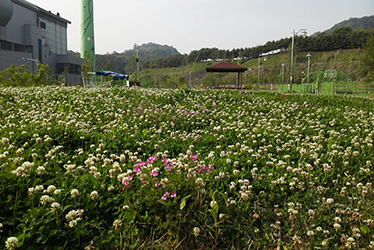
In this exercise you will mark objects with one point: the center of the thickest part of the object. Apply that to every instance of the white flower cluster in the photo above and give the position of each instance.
(22, 170)
(11, 243)
(74, 216)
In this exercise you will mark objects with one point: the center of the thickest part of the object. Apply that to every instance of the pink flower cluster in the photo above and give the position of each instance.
(168, 195)
(167, 164)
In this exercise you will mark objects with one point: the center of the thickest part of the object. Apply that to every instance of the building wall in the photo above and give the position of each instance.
(16, 59)
(35, 34)
(14, 30)
(55, 37)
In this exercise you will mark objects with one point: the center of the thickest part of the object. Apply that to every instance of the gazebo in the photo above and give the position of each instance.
(226, 67)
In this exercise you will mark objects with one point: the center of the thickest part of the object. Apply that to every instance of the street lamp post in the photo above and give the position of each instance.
(36, 61)
(282, 75)
(258, 82)
(292, 45)
(307, 82)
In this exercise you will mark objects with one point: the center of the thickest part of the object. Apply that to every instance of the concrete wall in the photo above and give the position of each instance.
(33, 33)
(14, 30)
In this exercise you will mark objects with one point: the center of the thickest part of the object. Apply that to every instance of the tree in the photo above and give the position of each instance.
(43, 75)
(369, 58)
(86, 67)
(20, 76)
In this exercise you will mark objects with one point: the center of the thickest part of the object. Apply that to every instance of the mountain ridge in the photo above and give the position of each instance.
(366, 22)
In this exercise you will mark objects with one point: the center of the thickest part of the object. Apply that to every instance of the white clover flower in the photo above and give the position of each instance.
(80, 212)
(97, 175)
(111, 188)
(350, 243)
(311, 212)
(325, 242)
(72, 223)
(214, 205)
(40, 170)
(297, 239)
(117, 224)
(5, 141)
(46, 199)
(31, 191)
(369, 222)
(94, 195)
(74, 193)
(329, 202)
(199, 182)
(27, 166)
(371, 245)
(337, 220)
(51, 189)
(39, 187)
(236, 172)
(71, 215)
(57, 191)
(126, 207)
(196, 231)
(337, 226)
(11, 243)
(55, 206)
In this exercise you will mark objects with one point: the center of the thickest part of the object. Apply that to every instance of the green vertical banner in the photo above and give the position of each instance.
(87, 31)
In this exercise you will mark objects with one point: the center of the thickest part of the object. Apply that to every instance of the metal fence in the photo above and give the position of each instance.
(331, 88)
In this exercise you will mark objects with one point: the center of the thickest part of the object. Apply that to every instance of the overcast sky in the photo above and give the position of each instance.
(194, 24)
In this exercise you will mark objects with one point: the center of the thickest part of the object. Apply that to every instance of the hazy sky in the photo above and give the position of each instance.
(194, 24)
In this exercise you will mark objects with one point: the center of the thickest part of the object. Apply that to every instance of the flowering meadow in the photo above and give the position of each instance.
(119, 168)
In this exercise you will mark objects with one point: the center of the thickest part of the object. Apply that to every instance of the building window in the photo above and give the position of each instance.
(71, 68)
(19, 47)
(5, 45)
(43, 25)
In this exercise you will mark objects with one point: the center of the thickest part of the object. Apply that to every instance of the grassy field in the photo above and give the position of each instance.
(194, 75)
(119, 168)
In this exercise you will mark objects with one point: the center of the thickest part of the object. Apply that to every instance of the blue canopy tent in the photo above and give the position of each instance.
(112, 74)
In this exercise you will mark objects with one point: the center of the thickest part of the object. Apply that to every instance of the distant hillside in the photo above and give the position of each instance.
(366, 23)
(194, 75)
(125, 62)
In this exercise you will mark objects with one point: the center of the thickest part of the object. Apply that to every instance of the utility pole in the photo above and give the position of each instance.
(282, 75)
(307, 83)
(292, 45)
(258, 82)
(137, 61)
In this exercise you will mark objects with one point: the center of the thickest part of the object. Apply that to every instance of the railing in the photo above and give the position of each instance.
(331, 88)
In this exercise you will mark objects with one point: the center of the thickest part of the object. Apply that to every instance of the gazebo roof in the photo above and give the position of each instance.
(226, 67)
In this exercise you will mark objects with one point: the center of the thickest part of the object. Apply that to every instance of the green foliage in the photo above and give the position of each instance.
(20, 76)
(369, 58)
